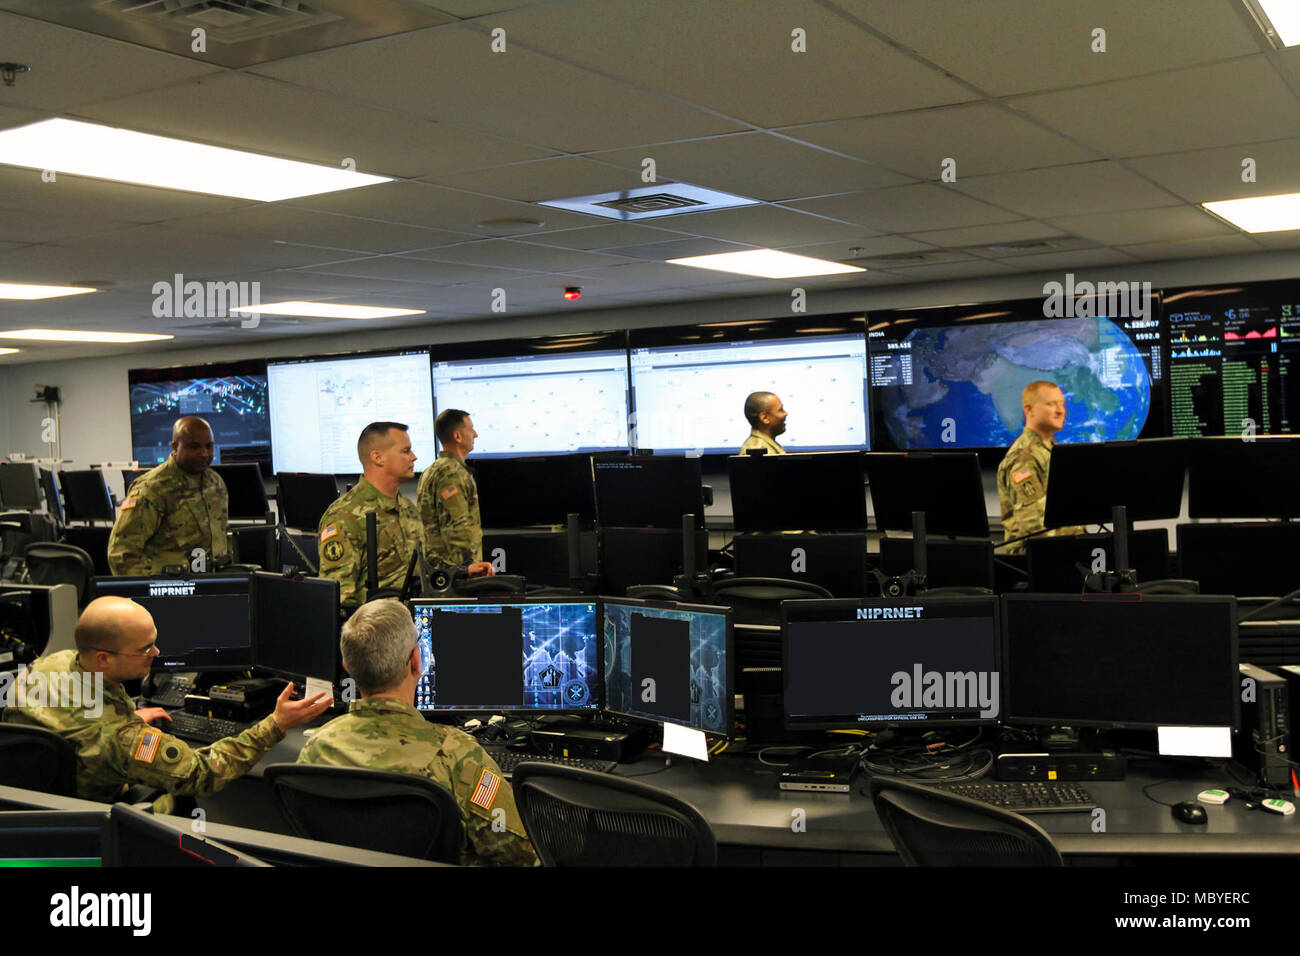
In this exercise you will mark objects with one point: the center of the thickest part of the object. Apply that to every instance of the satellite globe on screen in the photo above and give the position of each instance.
(966, 382)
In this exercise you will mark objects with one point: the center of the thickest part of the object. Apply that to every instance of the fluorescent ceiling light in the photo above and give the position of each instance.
(106, 152)
(8, 351)
(1279, 19)
(1260, 213)
(68, 335)
(20, 290)
(766, 264)
(326, 310)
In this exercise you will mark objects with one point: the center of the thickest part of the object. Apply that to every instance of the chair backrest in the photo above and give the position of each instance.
(932, 828)
(580, 817)
(658, 592)
(758, 600)
(36, 758)
(389, 812)
(496, 585)
(52, 562)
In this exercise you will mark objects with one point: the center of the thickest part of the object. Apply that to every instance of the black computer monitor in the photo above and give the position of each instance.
(838, 562)
(1231, 478)
(303, 498)
(246, 490)
(1053, 560)
(539, 490)
(204, 623)
(947, 487)
(517, 656)
(924, 661)
(631, 556)
(1124, 661)
(670, 663)
(20, 488)
(297, 626)
(649, 492)
(1241, 558)
(1088, 480)
(129, 475)
(51, 490)
(132, 837)
(814, 492)
(86, 495)
(50, 838)
(955, 562)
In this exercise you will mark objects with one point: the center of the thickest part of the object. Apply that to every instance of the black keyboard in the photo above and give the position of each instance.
(1026, 796)
(204, 729)
(507, 760)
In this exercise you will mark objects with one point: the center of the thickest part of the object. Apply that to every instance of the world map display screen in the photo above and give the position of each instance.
(959, 386)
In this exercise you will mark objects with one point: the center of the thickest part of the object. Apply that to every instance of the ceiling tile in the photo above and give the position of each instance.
(1066, 190)
(277, 223)
(764, 226)
(858, 248)
(604, 237)
(1003, 232)
(907, 209)
(1145, 225)
(1075, 259)
(546, 179)
(1192, 248)
(1204, 175)
(507, 254)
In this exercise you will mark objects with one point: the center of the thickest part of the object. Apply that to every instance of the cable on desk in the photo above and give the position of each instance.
(1159, 783)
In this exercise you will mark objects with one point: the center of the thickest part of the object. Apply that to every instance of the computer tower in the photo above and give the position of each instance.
(1264, 742)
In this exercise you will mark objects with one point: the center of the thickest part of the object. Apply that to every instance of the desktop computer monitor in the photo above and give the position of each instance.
(821, 492)
(132, 837)
(204, 623)
(86, 494)
(20, 489)
(669, 663)
(541, 490)
(246, 491)
(509, 656)
(1124, 661)
(297, 627)
(51, 490)
(649, 492)
(303, 498)
(923, 661)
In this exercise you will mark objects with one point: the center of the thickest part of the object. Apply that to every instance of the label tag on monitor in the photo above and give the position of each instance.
(685, 741)
(1194, 741)
(317, 686)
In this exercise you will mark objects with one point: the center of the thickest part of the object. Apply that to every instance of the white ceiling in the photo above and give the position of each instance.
(1093, 159)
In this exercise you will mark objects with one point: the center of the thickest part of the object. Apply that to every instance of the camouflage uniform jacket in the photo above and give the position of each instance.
(1022, 488)
(342, 542)
(379, 733)
(758, 439)
(117, 748)
(448, 500)
(167, 513)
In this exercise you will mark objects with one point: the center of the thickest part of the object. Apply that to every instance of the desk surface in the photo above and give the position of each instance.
(741, 800)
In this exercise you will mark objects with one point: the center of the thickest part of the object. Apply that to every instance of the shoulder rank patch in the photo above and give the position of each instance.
(448, 492)
(486, 791)
(333, 551)
(147, 749)
(1021, 475)
(129, 503)
(330, 531)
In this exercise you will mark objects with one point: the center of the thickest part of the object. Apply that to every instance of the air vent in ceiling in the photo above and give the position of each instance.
(226, 21)
(651, 202)
(923, 258)
(1015, 248)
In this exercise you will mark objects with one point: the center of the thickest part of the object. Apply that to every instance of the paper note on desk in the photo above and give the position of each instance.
(685, 741)
(317, 686)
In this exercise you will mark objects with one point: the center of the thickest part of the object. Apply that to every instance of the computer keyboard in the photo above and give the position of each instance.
(507, 760)
(1026, 796)
(203, 729)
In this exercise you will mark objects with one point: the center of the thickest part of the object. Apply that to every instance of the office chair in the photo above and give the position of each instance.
(389, 812)
(1169, 586)
(496, 585)
(659, 592)
(758, 600)
(583, 818)
(932, 828)
(52, 562)
(35, 758)
(958, 590)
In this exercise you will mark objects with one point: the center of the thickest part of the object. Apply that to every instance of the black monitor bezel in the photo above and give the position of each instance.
(253, 471)
(852, 722)
(260, 578)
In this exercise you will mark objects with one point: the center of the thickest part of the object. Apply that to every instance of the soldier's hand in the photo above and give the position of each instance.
(481, 569)
(294, 713)
(150, 714)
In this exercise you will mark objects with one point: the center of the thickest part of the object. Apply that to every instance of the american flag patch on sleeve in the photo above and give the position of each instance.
(147, 749)
(1021, 475)
(486, 791)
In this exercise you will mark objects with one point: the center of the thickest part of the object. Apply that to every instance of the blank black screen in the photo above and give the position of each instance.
(661, 652)
(478, 658)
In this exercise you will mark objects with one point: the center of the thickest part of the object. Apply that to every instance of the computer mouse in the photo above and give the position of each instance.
(1189, 812)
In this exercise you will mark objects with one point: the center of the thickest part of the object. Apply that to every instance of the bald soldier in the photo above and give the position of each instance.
(384, 731)
(1022, 475)
(766, 416)
(116, 746)
(386, 461)
(447, 497)
(172, 509)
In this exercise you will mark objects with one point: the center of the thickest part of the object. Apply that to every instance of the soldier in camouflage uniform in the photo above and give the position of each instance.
(115, 744)
(766, 416)
(172, 509)
(1022, 475)
(448, 498)
(387, 460)
(384, 731)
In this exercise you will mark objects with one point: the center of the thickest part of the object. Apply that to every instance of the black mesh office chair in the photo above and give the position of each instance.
(52, 562)
(933, 828)
(496, 585)
(758, 600)
(582, 818)
(388, 812)
(659, 592)
(34, 758)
